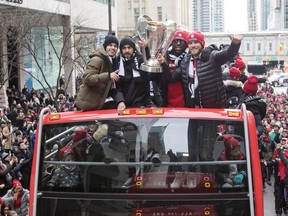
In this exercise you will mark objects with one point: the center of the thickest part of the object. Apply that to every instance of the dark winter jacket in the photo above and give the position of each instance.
(173, 63)
(257, 106)
(66, 177)
(233, 88)
(5, 177)
(285, 162)
(96, 81)
(133, 87)
(210, 84)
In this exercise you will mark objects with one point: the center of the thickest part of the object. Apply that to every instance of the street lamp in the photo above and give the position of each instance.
(109, 17)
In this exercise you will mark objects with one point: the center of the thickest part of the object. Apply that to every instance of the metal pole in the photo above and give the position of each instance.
(109, 17)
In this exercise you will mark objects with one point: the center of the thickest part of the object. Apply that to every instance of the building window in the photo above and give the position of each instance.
(270, 46)
(159, 13)
(129, 5)
(46, 60)
(259, 46)
(136, 14)
(248, 47)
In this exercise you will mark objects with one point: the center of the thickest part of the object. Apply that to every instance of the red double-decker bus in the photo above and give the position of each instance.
(150, 162)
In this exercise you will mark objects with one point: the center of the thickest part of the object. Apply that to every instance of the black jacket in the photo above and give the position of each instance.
(133, 87)
(208, 66)
(233, 90)
(257, 106)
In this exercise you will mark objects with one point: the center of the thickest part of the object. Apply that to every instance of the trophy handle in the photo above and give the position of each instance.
(168, 42)
(141, 26)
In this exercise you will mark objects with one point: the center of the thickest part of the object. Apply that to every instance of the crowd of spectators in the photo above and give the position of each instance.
(18, 123)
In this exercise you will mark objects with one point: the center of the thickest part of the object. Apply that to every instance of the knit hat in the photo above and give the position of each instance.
(65, 151)
(239, 64)
(16, 183)
(197, 36)
(234, 73)
(181, 35)
(230, 142)
(251, 85)
(110, 39)
(80, 135)
(101, 132)
(127, 41)
(4, 155)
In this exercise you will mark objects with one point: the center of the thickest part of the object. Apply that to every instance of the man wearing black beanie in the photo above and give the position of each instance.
(127, 41)
(100, 74)
(133, 87)
(110, 39)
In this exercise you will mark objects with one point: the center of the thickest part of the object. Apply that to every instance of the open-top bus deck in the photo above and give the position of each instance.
(145, 162)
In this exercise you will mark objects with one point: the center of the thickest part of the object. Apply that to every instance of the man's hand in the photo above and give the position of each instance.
(142, 43)
(15, 196)
(160, 59)
(121, 107)
(114, 75)
(236, 39)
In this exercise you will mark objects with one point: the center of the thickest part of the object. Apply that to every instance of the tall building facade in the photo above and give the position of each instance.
(278, 17)
(264, 14)
(252, 15)
(208, 15)
(128, 12)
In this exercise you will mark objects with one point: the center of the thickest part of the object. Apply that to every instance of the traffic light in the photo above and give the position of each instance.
(281, 47)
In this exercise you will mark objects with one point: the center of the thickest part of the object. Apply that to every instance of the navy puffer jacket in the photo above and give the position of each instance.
(208, 67)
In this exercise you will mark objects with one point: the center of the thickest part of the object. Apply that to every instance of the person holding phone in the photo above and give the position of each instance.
(18, 198)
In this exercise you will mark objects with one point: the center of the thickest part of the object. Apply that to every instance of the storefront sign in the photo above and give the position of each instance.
(14, 1)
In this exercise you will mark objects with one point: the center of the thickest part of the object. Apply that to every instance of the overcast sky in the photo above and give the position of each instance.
(235, 15)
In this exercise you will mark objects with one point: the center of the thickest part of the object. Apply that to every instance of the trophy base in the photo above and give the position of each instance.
(151, 69)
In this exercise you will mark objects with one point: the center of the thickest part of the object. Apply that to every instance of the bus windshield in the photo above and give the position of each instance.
(143, 166)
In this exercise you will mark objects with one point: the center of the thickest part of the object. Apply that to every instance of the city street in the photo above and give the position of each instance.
(269, 201)
(280, 89)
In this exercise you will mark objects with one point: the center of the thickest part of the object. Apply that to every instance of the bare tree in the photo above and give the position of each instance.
(43, 46)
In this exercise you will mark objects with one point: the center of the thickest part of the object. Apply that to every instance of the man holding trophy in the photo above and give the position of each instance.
(199, 72)
(136, 69)
(132, 88)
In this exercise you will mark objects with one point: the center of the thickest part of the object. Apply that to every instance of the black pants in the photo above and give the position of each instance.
(279, 196)
(201, 139)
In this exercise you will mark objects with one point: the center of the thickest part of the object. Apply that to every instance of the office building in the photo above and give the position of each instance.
(265, 6)
(128, 12)
(252, 15)
(278, 17)
(208, 15)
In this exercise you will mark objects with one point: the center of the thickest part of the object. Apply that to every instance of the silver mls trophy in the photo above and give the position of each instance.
(159, 36)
